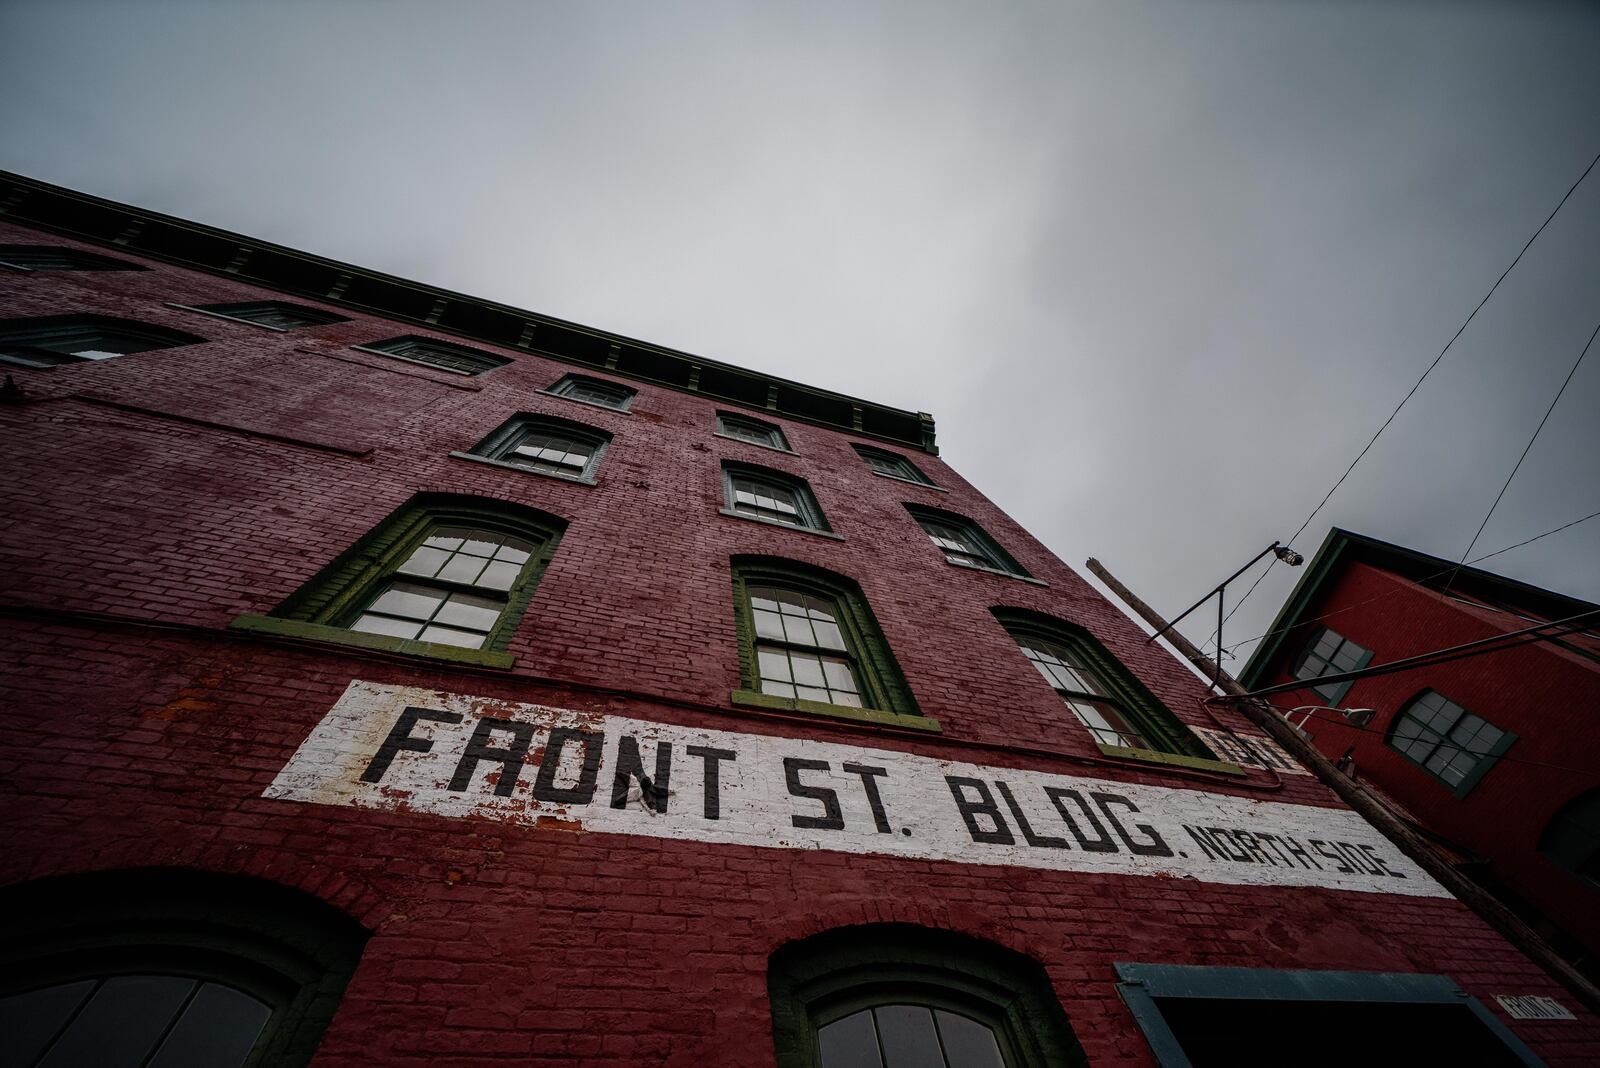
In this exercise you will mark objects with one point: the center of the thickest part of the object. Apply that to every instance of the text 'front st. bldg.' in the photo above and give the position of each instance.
(399, 678)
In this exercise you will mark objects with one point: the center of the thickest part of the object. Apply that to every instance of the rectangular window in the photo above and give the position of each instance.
(1330, 653)
(594, 391)
(891, 465)
(771, 497)
(800, 650)
(457, 359)
(462, 579)
(550, 446)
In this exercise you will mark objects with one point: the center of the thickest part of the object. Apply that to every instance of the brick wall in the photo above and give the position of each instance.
(159, 495)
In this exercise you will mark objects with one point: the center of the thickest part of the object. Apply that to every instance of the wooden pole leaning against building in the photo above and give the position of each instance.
(1354, 794)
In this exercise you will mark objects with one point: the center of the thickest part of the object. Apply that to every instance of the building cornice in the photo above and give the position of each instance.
(290, 271)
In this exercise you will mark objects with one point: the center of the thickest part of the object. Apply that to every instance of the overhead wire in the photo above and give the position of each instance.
(1417, 385)
(1425, 578)
(1525, 450)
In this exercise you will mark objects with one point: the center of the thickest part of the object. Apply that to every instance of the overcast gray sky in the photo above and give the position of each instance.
(1158, 269)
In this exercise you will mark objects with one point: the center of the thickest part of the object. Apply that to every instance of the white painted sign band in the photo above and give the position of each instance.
(394, 747)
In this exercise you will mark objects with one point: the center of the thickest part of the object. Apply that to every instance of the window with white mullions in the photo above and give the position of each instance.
(457, 359)
(958, 546)
(594, 391)
(1084, 692)
(887, 1036)
(891, 465)
(772, 497)
(452, 589)
(1451, 744)
(800, 650)
(552, 453)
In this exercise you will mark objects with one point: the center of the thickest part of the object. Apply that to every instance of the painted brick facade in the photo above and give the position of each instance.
(155, 498)
(1547, 694)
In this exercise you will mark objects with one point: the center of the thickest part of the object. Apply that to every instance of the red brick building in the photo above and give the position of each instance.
(399, 678)
(1494, 755)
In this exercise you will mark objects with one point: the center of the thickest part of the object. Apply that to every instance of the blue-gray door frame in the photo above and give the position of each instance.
(1142, 983)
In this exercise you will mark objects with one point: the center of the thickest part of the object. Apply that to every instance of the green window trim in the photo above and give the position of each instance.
(1332, 692)
(888, 464)
(439, 355)
(1166, 734)
(1143, 986)
(1486, 759)
(755, 432)
(595, 392)
(333, 598)
(963, 543)
(1176, 760)
(876, 716)
(508, 435)
(883, 688)
(828, 976)
(807, 511)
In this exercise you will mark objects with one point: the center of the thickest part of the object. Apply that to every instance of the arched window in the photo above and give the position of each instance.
(891, 465)
(596, 391)
(444, 575)
(1572, 837)
(886, 995)
(1102, 694)
(168, 969)
(63, 339)
(457, 359)
(808, 641)
(754, 431)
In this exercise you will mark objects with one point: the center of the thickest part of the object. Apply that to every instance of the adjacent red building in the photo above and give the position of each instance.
(1495, 755)
(395, 677)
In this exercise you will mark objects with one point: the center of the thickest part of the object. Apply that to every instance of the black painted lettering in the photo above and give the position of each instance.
(1273, 844)
(1248, 840)
(1329, 854)
(509, 758)
(999, 834)
(400, 739)
(713, 759)
(1299, 852)
(1372, 854)
(1207, 844)
(1154, 846)
(869, 784)
(1041, 841)
(582, 791)
(1101, 843)
(1356, 860)
(1231, 846)
(630, 768)
(832, 818)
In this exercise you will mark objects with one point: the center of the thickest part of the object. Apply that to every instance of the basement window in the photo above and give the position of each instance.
(1197, 1017)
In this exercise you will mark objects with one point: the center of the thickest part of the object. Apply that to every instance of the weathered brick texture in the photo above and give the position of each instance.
(153, 498)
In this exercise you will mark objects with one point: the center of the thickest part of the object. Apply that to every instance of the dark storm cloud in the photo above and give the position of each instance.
(1158, 269)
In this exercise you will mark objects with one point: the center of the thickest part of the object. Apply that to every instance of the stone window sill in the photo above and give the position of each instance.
(1176, 760)
(996, 571)
(781, 526)
(319, 632)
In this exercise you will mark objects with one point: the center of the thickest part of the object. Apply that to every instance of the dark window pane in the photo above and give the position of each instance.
(28, 1022)
(967, 1043)
(216, 1030)
(850, 1042)
(121, 1023)
(907, 1036)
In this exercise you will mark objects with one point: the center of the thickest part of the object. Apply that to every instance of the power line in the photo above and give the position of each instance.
(1424, 578)
(1367, 448)
(1515, 468)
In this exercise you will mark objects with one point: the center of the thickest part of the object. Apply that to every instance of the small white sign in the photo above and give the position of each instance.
(1250, 750)
(1533, 1007)
(403, 748)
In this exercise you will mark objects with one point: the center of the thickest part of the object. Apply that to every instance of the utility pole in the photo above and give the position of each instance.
(1418, 848)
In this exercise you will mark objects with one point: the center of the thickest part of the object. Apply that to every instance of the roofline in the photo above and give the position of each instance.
(287, 270)
(1340, 545)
